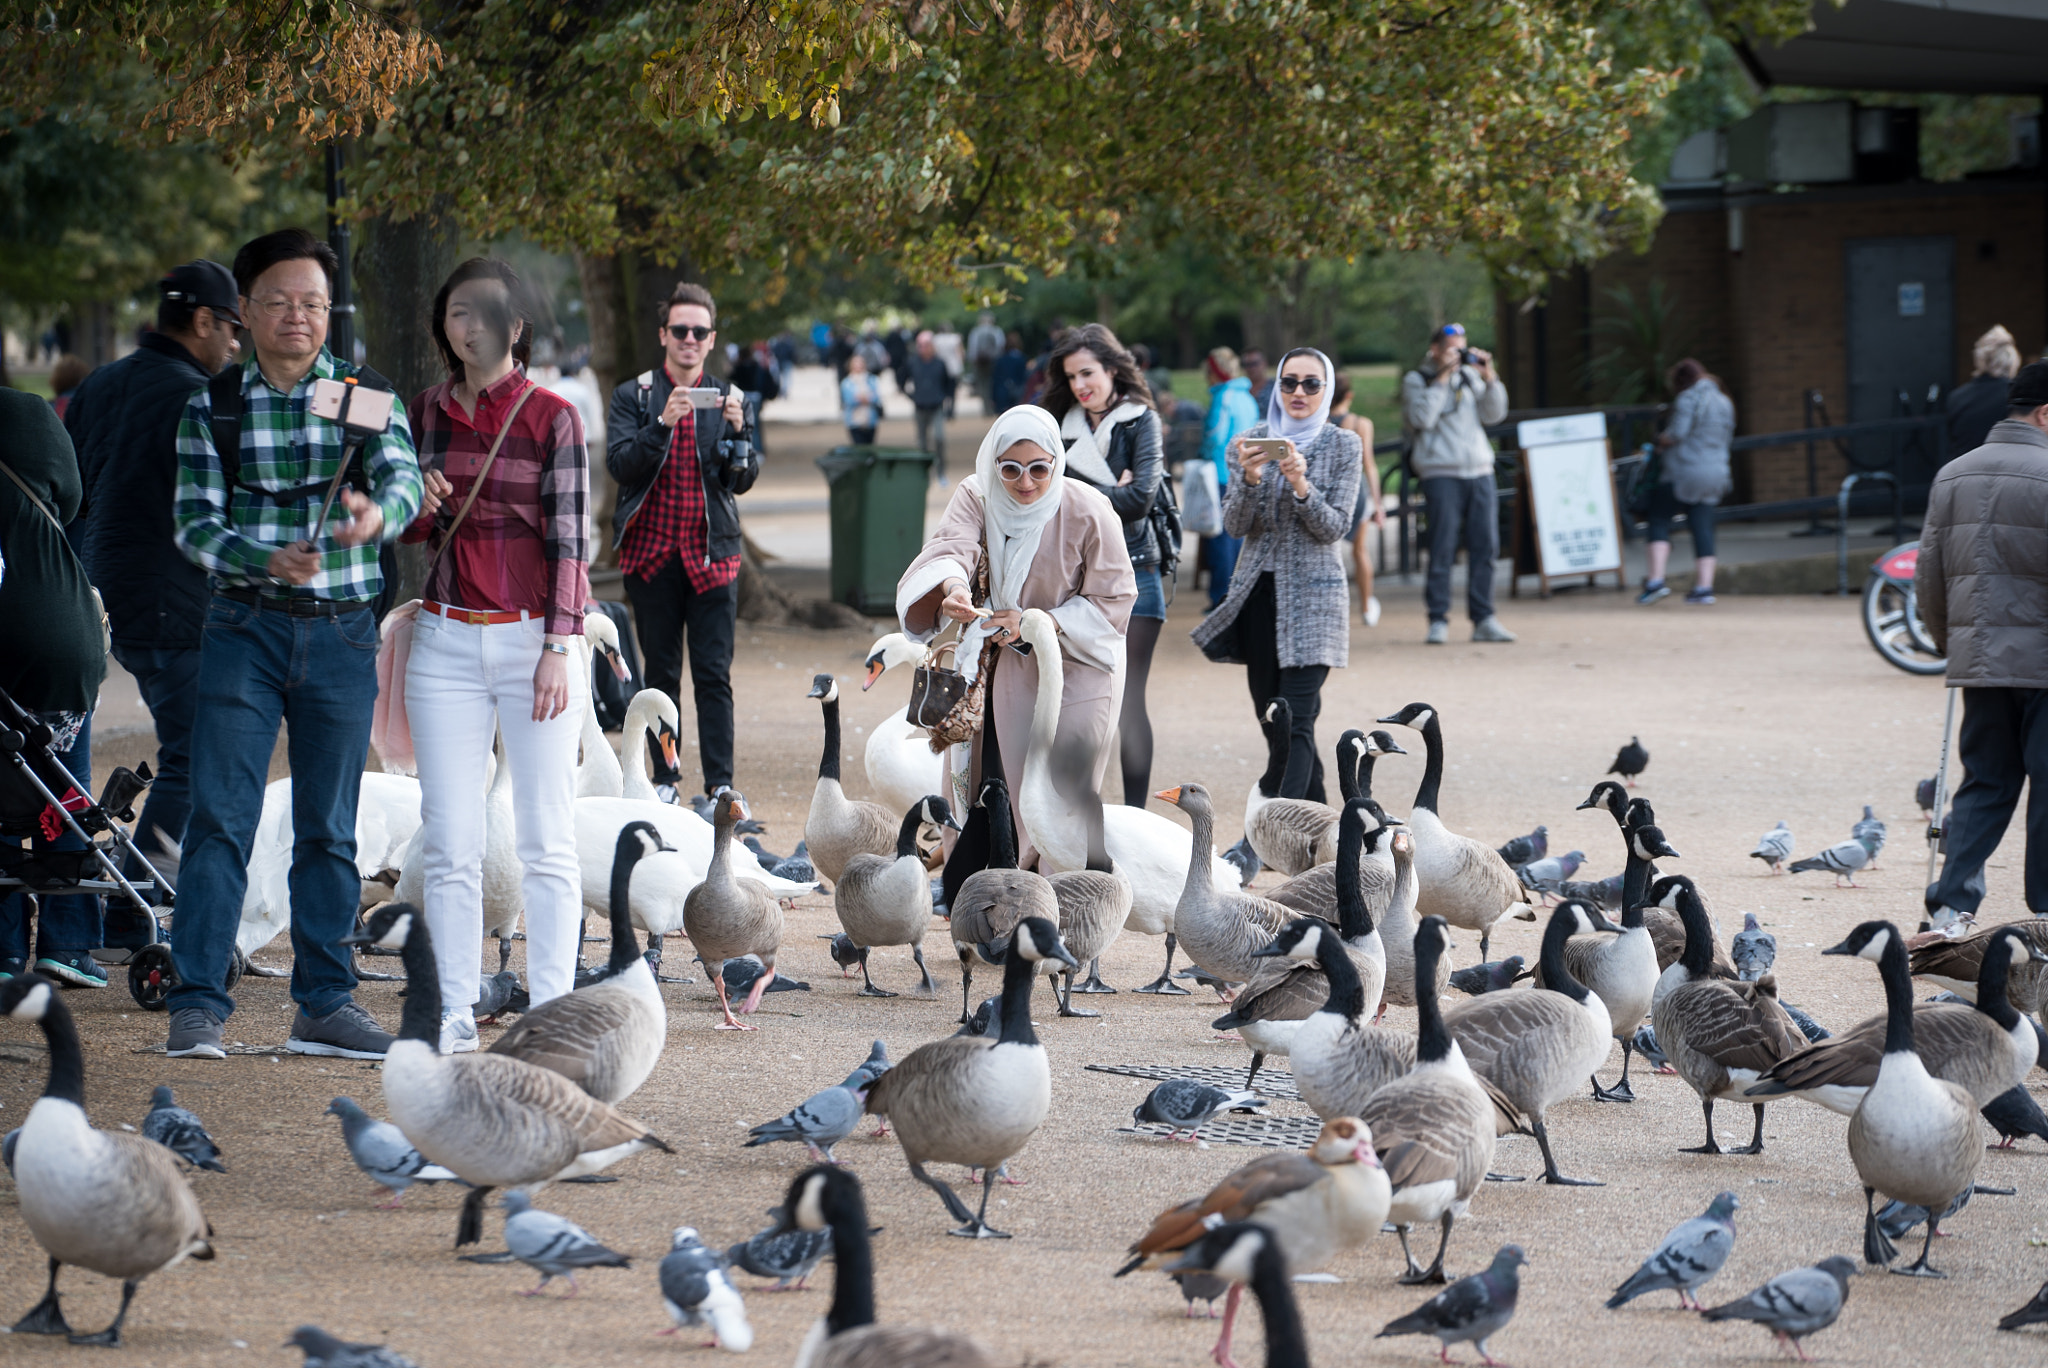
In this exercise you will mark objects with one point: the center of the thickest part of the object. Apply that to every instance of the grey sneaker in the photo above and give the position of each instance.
(1490, 629)
(1439, 634)
(458, 1032)
(347, 1032)
(195, 1034)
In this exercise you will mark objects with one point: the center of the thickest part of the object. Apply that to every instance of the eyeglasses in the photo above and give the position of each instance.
(1013, 471)
(1307, 384)
(278, 307)
(690, 332)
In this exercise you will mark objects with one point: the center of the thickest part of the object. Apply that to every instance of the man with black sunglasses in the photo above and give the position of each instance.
(1447, 403)
(680, 444)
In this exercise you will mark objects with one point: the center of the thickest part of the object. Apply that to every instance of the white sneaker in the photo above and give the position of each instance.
(1439, 634)
(1370, 614)
(458, 1032)
(1491, 629)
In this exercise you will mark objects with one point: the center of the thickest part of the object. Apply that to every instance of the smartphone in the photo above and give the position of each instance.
(1266, 448)
(369, 410)
(706, 398)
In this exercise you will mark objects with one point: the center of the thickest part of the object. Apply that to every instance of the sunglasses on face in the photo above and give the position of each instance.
(1013, 471)
(689, 332)
(1307, 384)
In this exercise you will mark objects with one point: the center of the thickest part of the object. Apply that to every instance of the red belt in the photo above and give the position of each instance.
(471, 616)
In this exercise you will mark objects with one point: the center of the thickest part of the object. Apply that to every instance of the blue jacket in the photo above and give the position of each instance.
(1231, 411)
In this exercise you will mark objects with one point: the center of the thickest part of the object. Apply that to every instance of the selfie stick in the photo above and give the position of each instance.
(348, 450)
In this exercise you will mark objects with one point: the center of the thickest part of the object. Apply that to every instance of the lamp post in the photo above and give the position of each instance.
(341, 328)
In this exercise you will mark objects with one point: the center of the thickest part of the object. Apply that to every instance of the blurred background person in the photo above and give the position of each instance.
(1371, 512)
(1693, 479)
(1979, 402)
(984, 344)
(860, 402)
(1232, 411)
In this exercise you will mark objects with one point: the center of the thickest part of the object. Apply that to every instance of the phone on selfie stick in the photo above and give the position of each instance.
(363, 412)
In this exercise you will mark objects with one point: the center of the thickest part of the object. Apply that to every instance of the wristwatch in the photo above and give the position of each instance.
(558, 647)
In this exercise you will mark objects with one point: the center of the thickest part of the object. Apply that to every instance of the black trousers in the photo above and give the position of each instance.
(1258, 640)
(671, 619)
(2003, 743)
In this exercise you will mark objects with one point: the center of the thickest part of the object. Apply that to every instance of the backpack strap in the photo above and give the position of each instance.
(225, 391)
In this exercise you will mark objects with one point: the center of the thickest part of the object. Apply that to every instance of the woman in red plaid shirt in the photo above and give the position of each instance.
(492, 648)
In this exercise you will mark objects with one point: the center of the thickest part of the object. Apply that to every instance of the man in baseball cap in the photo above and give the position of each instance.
(124, 422)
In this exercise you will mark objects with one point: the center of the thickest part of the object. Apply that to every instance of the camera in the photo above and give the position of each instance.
(1467, 357)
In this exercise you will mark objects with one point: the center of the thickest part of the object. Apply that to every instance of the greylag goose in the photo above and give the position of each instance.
(725, 918)
(1221, 929)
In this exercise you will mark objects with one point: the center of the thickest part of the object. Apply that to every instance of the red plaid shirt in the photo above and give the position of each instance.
(672, 521)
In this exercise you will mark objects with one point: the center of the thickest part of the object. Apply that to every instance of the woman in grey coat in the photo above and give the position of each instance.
(1695, 478)
(1293, 485)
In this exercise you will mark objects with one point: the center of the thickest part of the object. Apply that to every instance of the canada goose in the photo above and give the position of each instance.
(846, 1336)
(1377, 743)
(1462, 881)
(1957, 964)
(993, 900)
(664, 879)
(1290, 835)
(888, 900)
(1315, 1205)
(1434, 1127)
(1913, 1136)
(1339, 1060)
(605, 1038)
(1094, 903)
(901, 765)
(1221, 929)
(1622, 970)
(1397, 931)
(1985, 1048)
(1150, 851)
(1246, 1254)
(1721, 1035)
(972, 1100)
(1314, 891)
(1282, 993)
(113, 1203)
(839, 828)
(1535, 1045)
(726, 919)
(493, 1120)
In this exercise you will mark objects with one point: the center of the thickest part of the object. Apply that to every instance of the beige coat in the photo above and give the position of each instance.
(1082, 578)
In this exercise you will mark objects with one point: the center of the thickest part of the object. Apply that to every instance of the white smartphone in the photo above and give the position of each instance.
(368, 411)
(706, 398)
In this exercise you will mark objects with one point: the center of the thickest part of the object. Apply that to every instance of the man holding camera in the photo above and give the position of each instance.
(1447, 403)
(284, 508)
(680, 444)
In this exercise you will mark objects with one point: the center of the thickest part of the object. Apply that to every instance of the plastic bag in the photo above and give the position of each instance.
(1201, 499)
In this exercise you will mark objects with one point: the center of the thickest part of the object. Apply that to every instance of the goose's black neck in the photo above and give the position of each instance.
(1898, 994)
(1347, 990)
(1354, 918)
(853, 1281)
(906, 835)
(1635, 883)
(67, 1059)
(625, 855)
(1698, 957)
(1098, 843)
(1277, 729)
(1347, 772)
(1426, 794)
(828, 764)
(1993, 975)
(1361, 774)
(1557, 977)
(1018, 975)
(1432, 1037)
(1002, 827)
(1286, 1341)
(421, 1019)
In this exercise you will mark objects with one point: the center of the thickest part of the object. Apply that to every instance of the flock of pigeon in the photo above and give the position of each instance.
(1409, 1118)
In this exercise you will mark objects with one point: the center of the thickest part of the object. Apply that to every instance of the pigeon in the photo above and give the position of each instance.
(986, 1021)
(877, 1062)
(1895, 1218)
(180, 1132)
(696, 1291)
(1630, 761)
(942, 906)
(1753, 951)
(1923, 794)
(502, 992)
(1604, 894)
(1774, 847)
(1522, 849)
(1489, 977)
(1690, 1253)
(1796, 1303)
(325, 1351)
(1543, 876)
(7, 1145)
(1200, 1287)
(2014, 1115)
(1197, 974)
(821, 1120)
(1183, 1104)
(552, 1246)
(1814, 1032)
(1870, 831)
(1846, 858)
(786, 1255)
(1471, 1310)
(768, 858)
(1246, 861)
(2033, 1313)
(381, 1150)
(845, 953)
(1646, 1046)
(739, 974)
(797, 867)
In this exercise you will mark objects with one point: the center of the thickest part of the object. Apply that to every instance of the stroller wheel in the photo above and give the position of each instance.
(151, 977)
(237, 966)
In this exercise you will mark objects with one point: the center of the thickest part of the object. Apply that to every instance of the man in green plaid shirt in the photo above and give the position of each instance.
(289, 638)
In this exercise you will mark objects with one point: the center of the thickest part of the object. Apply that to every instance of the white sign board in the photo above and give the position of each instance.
(1571, 494)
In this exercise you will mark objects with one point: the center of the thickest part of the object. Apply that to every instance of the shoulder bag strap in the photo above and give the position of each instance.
(32, 498)
(449, 537)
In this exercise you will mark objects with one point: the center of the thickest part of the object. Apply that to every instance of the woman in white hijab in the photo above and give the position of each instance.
(1051, 543)
(1293, 485)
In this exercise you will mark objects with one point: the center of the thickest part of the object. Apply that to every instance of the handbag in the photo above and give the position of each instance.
(942, 700)
(1642, 490)
(99, 605)
(1201, 498)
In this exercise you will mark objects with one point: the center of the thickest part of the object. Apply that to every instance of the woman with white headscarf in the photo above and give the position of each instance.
(1051, 543)
(1293, 485)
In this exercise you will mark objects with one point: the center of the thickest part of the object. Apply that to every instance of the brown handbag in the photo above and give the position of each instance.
(941, 699)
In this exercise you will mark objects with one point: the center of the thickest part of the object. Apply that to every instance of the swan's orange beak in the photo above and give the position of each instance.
(876, 667)
(668, 749)
(1171, 795)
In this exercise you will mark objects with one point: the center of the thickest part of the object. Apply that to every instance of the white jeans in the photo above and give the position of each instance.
(463, 684)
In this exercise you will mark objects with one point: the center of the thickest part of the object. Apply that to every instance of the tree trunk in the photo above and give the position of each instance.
(399, 267)
(99, 343)
(610, 350)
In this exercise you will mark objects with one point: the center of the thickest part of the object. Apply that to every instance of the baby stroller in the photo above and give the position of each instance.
(39, 798)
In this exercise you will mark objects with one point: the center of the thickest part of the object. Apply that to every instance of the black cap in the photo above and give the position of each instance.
(203, 283)
(2029, 387)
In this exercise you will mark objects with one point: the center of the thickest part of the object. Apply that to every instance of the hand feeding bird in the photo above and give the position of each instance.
(552, 1246)
(1630, 761)
(1182, 1104)
(1754, 950)
(1774, 847)
(1690, 1254)
(1841, 860)
(1521, 850)
(1471, 1310)
(696, 1291)
(180, 1132)
(1794, 1304)
(381, 1150)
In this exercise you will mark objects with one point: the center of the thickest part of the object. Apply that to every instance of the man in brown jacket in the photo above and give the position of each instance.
(1982, 584)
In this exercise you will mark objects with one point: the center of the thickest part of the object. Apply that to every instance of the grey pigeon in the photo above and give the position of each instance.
(1630, 761)
(768, 858)
(1245, 860)
(1846, 858)
(739, 975)
(1196, 974)
(877, 1062)
(798, 867)
(1543, 876)
(1774, 847)
(845, 953)
(552, 1246)
(2033, 1313)
(323, 1350)
(1200, 1287)
(1870, 831)
(696, 1291)
(7, 1145)
(986, 1021)
(1646, 1046)
(381, 1150)
(1471, 1310)
(1895, 1218)
(180, 1132)
(1604, 894)
(1519, 850)
(1489, 977)
(786, 1255)
(1794, 1304)
(1814, 1032)
(1182, 1104)
(1753, 951)
(1923, 794)
(502, 992)
(821, 1120)
(1690, 1253)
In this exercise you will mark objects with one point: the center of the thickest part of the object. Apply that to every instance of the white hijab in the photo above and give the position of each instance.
(1300, 431)
(1014, 529)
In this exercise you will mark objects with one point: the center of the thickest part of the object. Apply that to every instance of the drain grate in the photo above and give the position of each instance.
(1233, 1128)
(1275, 1084)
